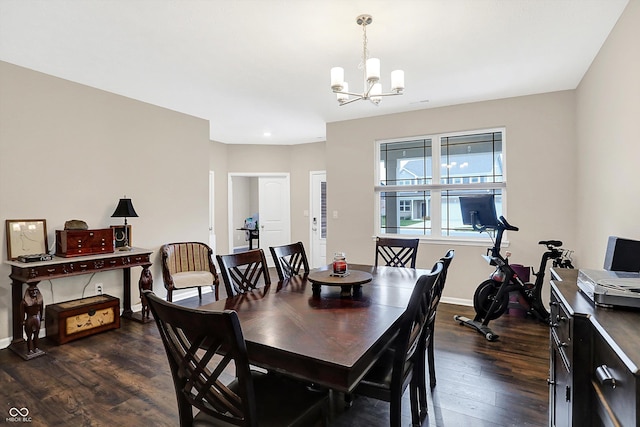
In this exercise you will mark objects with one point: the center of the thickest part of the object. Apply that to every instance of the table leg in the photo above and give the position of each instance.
(345, 291)
(126, 297)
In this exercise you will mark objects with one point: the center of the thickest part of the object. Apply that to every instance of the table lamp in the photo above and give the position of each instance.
(124, 210)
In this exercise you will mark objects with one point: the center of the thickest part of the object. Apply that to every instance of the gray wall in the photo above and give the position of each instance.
(607, 185)
(540, 146)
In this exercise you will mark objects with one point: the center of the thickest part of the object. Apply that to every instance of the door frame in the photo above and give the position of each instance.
(312, 174)
(230, 177)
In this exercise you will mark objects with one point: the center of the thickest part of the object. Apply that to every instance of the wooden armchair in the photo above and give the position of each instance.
(188, 265)
(213, 381)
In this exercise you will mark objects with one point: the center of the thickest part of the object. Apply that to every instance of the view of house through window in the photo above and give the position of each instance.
(420, 181)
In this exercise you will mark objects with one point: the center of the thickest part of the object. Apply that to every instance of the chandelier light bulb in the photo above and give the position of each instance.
(337, 78)
(373, 70)
(375, 94)
(397, 81)
(342, 96)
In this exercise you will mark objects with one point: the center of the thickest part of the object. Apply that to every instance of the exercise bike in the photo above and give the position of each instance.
(491, 298)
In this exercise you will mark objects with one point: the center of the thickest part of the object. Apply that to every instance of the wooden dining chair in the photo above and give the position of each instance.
(289, 260)
(210, 367)
(429, 332)
(398, 367)
(396, 252)
(242, 272)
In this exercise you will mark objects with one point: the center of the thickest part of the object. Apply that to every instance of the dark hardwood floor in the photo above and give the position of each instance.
(121, 378)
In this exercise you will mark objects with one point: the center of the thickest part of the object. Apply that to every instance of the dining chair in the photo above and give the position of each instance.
(429, 332)
(188, 265)
(209, 364)
(398, 367)
(289, 259)
(396, 252)
(242, 271)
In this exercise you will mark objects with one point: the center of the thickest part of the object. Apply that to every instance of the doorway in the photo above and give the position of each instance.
(318, 218)
(212, 222)
(262, 198)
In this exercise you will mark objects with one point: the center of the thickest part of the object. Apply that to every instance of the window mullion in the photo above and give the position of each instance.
(435, 194)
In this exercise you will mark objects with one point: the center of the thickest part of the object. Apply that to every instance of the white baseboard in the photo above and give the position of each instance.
(457, 301)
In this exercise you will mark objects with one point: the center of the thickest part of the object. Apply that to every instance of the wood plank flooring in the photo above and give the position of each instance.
(122, 378)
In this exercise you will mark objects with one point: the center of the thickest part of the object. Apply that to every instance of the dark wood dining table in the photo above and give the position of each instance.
(324, 338)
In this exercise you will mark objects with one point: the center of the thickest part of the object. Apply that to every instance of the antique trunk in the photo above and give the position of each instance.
(84, 242)
(70, 320)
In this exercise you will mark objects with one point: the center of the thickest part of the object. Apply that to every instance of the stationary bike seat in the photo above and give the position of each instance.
(508, 226)
(556, 243)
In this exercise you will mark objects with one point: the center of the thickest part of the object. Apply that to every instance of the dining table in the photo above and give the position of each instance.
(314, 331)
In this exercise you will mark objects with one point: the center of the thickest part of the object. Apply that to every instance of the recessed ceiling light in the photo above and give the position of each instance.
(266, 134)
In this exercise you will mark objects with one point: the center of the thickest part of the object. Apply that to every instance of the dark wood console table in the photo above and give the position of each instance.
(595, 359)
(34, 272)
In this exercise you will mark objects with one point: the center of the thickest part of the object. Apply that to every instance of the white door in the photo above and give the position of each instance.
(318, 219)
(274, 212)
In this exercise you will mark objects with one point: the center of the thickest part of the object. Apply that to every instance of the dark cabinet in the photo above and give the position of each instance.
(594, 359)
(560, 370)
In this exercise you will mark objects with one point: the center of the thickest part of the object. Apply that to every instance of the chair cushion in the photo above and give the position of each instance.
(271, 390)
(189, 279)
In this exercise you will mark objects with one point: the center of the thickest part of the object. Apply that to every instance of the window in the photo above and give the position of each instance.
(421, 180)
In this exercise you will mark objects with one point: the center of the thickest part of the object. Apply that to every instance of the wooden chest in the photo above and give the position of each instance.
(84, 242)
(70, 320)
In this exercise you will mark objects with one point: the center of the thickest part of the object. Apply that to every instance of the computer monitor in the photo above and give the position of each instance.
(482, 209)
(622, 255)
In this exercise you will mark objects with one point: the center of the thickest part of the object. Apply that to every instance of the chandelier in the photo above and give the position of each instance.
(371, 75)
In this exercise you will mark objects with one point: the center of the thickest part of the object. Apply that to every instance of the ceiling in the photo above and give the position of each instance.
(256, 66)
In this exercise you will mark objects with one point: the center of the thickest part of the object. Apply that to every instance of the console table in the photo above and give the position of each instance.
(595, 359)
(33, 272)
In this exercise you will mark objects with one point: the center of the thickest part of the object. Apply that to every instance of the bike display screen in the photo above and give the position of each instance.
(483, 208)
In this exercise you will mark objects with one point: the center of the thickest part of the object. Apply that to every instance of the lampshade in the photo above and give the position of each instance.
(124, 209)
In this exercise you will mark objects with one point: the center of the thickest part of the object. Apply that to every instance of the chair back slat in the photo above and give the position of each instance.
(242, 272)
(290, 260)
(397, 252)
(192, 339)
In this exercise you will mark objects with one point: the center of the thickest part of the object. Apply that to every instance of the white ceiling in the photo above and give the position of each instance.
(252, 66)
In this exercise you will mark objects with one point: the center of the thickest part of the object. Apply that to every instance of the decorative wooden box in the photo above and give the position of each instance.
(84, 242)
(70, 320)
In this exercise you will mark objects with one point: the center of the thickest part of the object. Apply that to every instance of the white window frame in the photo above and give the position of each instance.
(436, 189)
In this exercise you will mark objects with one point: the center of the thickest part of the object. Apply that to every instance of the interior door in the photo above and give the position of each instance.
(274, 212)
(318, 219)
